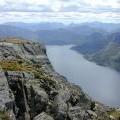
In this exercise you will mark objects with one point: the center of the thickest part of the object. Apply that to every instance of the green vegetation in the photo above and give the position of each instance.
(15, 65)
(19, 65)
(4, 116)
(14, 40)
(114, 113)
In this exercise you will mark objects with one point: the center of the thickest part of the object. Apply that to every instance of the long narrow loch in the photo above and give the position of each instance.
(101, 83)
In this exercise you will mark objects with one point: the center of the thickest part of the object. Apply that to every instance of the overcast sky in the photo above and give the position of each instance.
(59, 10)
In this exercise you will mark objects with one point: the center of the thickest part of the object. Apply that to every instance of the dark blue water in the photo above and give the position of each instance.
(101, 83)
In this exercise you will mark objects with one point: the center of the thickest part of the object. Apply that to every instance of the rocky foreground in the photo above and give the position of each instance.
(30, 89)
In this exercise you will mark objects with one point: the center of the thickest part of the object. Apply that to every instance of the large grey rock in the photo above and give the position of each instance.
(91, 113)
(7, 103)
(43, 116)
(61, 103)
(41, 100)
(76, 113)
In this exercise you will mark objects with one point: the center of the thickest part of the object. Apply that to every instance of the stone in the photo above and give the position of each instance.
(6, 99)
(76, 113)
(61, 103)
(41, 100)
(91, 113)
(111, 117)
(43, 116)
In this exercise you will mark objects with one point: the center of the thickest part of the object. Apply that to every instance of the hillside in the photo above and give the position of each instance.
(51, 33)
(37, 26)
(13, 31)
(110, 55)
(104, 53)
(30, 89)
(97, 41)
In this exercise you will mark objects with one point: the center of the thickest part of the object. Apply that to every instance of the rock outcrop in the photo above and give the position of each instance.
(30, 89)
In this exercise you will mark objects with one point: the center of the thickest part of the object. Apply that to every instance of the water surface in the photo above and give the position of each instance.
(101, 83)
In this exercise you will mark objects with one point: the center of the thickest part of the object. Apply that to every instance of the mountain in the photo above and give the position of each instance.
(105, 52)
(12, 31)
(109, 27)
(59, 36)
(89, 38)
(66, 35)
(93, 43)
(110, 55)
(30, 89)
(37, 26)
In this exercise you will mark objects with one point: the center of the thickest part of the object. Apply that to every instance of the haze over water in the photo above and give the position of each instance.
(101, 83)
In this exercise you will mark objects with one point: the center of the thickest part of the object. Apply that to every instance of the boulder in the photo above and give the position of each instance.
(43, 116)
(76, 113)
(61, 102)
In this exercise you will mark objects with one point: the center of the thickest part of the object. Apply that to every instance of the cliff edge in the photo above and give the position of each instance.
(30, 89)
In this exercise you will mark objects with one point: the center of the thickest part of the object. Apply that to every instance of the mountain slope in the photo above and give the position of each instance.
(32, 90)
(12, 31)
(50, 33)
(36, 26)
(105, 52)
(110, 55)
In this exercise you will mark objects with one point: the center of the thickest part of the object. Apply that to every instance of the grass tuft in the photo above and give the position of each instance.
(19, 65)
(114, 113)
(14, 40)
(4, 116)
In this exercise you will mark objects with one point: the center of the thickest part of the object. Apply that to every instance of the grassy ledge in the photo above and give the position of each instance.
(14, 40)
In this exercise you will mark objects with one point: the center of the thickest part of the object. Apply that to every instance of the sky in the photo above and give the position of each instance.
(65, 11)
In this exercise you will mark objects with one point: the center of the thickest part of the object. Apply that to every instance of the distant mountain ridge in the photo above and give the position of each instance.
(97, 41)
(110, 27)
(37, 26)
(13, 31)
(49, 33)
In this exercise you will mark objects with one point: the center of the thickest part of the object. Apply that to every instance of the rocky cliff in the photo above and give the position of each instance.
(30, 89)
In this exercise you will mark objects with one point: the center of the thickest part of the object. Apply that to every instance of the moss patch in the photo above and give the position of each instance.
(19, 65)
(114, 113)
(14, 40)
(4, 116)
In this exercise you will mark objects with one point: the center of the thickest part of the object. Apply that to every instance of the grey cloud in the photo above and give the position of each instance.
(106, 9)
(75, 8)
(78, 2)
(9, 6)
(118, 1)
(59, 17)
(66, 0)
(89, 9)
(70, 8)
(67, 6)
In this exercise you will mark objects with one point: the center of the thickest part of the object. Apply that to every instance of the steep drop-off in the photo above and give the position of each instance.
(30, 89)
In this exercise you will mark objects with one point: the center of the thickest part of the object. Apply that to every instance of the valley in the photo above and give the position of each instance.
(99, 42)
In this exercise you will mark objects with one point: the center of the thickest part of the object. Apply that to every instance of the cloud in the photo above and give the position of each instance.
(25, 8)
(59, 10)
(59, 5)
(65, 17)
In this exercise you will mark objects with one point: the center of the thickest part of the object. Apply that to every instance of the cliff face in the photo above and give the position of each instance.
(30, 89)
